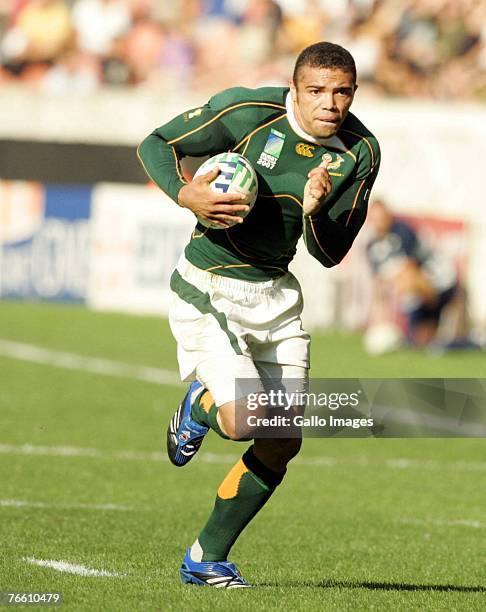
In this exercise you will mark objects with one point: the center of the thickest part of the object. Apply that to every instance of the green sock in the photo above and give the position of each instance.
(204, 411)
(244, 491)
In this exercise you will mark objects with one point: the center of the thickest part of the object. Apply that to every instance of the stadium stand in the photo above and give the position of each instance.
(420, 48)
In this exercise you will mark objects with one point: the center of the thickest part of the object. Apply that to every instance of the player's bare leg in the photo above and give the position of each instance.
(244, 491)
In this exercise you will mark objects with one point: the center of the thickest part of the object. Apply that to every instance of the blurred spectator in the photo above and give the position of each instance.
(40, 32)
(229, 9)
(215, 41)
(259, 25)
(143, 51)
(300, 29)
(98, 23)
(413, 281)
(76, 71)
(428, 46)
(9, 9)
(433, 48)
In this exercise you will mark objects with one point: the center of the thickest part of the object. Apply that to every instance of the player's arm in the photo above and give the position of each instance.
(332, 222)
(197, 133)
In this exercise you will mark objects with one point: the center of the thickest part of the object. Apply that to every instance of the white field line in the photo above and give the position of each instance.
(438, 424)
(443, 523)
(72, 568)
(393, 463)
(95, 365)
(158, 376)
(20, 503)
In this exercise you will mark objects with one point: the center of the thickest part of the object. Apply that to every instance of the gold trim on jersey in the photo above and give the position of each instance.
(224, 267)
(237, 248)
(355, 201)
(250, 136)
(220, 114)
(366, 141)
(282, 195)
(318, 243)
(201, 235)
(250, 256)
(178, 166)
(149, 176)
(227, 266)
(143, 165)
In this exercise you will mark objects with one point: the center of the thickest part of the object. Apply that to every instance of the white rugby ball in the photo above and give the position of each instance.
(236, 176)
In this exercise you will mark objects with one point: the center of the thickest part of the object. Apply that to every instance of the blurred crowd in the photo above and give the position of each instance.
(425, 48)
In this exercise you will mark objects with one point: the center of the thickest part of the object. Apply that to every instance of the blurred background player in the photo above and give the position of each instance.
(414, 279)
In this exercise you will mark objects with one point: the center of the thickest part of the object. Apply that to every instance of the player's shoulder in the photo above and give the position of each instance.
(259, 98)
(354, 129)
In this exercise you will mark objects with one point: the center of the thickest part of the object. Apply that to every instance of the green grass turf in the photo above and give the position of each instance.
(148, 341)
(353, 532)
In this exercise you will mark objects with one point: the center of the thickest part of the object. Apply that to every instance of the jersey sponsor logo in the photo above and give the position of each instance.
(333, 165)
(304, 149)
(272, 149)
(191, 114)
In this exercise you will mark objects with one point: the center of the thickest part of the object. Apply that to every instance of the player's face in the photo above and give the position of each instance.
(322, 97)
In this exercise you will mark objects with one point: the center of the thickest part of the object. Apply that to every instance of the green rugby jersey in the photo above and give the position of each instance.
(259, 124)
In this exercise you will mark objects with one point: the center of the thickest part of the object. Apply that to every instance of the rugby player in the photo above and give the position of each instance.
(424, 282)
(236, 307)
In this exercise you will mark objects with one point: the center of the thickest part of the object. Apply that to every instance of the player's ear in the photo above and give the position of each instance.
(293, 91)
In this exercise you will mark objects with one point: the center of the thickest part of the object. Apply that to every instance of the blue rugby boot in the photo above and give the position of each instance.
(184, 434)
(218, 574)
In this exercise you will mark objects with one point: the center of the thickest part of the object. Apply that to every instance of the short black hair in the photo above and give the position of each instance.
(325, 55)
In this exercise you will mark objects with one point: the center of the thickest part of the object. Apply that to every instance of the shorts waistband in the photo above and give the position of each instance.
(197, 276)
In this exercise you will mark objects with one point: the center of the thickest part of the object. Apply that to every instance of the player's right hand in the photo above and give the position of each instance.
(317, 188)
(219, 208)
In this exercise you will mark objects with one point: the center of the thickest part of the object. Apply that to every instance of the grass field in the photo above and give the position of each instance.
(358, 524)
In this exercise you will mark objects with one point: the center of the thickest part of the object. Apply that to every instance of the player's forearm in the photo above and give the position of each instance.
(331, 232)
(161, 163)
(327, 240)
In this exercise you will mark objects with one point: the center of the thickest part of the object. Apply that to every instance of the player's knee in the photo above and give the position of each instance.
(230, 430)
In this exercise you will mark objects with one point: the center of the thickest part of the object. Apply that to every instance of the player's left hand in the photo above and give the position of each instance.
(317, 188)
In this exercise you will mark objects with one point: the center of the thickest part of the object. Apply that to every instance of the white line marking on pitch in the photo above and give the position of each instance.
(443, 522)
(72, 568)
(159, 376)
(20, 503)
(95, 365)
(400, 463)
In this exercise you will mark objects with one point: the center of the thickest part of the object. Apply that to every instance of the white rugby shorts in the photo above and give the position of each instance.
(228, 329)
